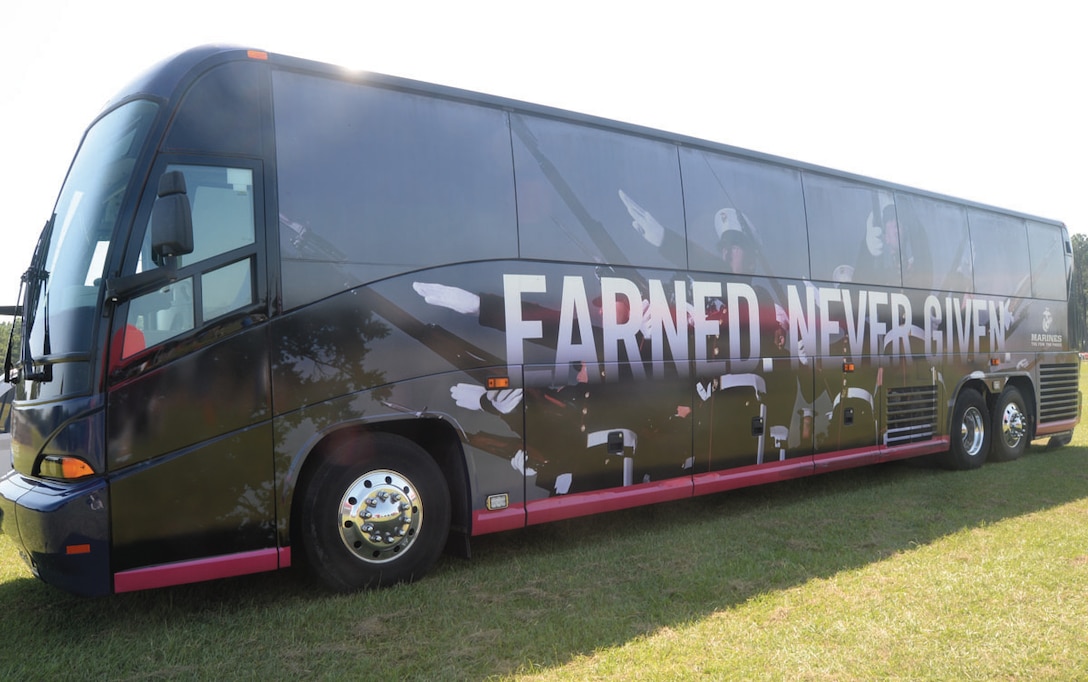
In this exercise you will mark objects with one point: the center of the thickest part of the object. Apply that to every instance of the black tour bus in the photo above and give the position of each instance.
(285, 313)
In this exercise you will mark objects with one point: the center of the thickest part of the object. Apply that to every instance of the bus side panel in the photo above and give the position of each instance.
(587, 431)
(491, 441)
(383, 358)
(190, 450)
(753, 412)
(213, 498)
(425, 345)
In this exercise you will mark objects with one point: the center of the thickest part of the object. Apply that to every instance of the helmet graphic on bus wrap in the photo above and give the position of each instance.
(731, 230)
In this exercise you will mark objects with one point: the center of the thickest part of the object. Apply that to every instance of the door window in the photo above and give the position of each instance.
(219, 273)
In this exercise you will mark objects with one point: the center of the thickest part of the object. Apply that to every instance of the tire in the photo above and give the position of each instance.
(375, 512)
(969, 434)
(1010, 426)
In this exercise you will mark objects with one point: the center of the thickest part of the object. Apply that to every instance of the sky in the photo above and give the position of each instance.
(979, 100)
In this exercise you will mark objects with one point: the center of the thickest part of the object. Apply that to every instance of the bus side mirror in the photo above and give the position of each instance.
(171, 236)
(171, 220)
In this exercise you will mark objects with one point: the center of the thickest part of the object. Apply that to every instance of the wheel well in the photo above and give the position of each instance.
(437, 438)
(1027, 392)
(977, 385)
(1022, 383)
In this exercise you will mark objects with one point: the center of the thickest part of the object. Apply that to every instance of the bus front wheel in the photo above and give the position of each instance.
(375, 511)
(1010, 426)
(969, 437)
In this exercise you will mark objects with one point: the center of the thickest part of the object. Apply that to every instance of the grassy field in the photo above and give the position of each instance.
(893, 571)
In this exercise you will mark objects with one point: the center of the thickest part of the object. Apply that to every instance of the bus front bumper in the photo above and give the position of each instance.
(60, 529)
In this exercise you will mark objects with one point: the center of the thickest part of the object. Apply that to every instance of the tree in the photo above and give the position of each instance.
(5, 335)
(1078, 294)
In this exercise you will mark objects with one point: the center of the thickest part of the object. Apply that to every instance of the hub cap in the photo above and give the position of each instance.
(380, 516)
(1012, 425)
(972, 431)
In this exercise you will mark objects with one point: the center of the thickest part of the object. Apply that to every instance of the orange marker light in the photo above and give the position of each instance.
(65, 468)
(497, 383)
(75, 468)
(77, 549)
(847, 366)
(257, 54)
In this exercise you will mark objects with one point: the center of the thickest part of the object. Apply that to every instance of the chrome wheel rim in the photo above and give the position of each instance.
(972, 431)
(380, 516)
(1012, 425)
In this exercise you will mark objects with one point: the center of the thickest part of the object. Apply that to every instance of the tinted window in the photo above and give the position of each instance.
(1002, 263)
(935, 244)
(853, 233)
(1047, 260)
(743, 216)
(221, 201)
(596, 196)
(374, 182)
(62, 304)
(223, 204)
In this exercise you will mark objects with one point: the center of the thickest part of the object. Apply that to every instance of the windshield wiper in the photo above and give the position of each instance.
(34, 280)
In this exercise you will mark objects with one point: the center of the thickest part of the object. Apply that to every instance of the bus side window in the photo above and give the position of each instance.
(936, 246)
(1047, 252)
(1002, 264)
(853, 232)
(222, 261)
(161, 314)
(223, 222)
(227, 289)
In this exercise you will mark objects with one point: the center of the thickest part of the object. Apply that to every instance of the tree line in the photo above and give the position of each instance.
(1078, 294)
(5, 337)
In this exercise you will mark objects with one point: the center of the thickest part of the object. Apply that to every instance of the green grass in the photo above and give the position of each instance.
(893, 571)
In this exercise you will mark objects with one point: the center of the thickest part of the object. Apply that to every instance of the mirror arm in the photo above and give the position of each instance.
(119, 289)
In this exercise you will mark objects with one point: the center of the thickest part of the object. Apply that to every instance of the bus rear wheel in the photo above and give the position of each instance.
(1010, 426)
(969, 437)
(375, 511)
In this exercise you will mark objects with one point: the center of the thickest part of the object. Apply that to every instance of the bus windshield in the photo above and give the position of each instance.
(66, 277)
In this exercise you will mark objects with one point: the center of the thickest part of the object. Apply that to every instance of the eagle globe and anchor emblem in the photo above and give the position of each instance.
(1046, 338)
